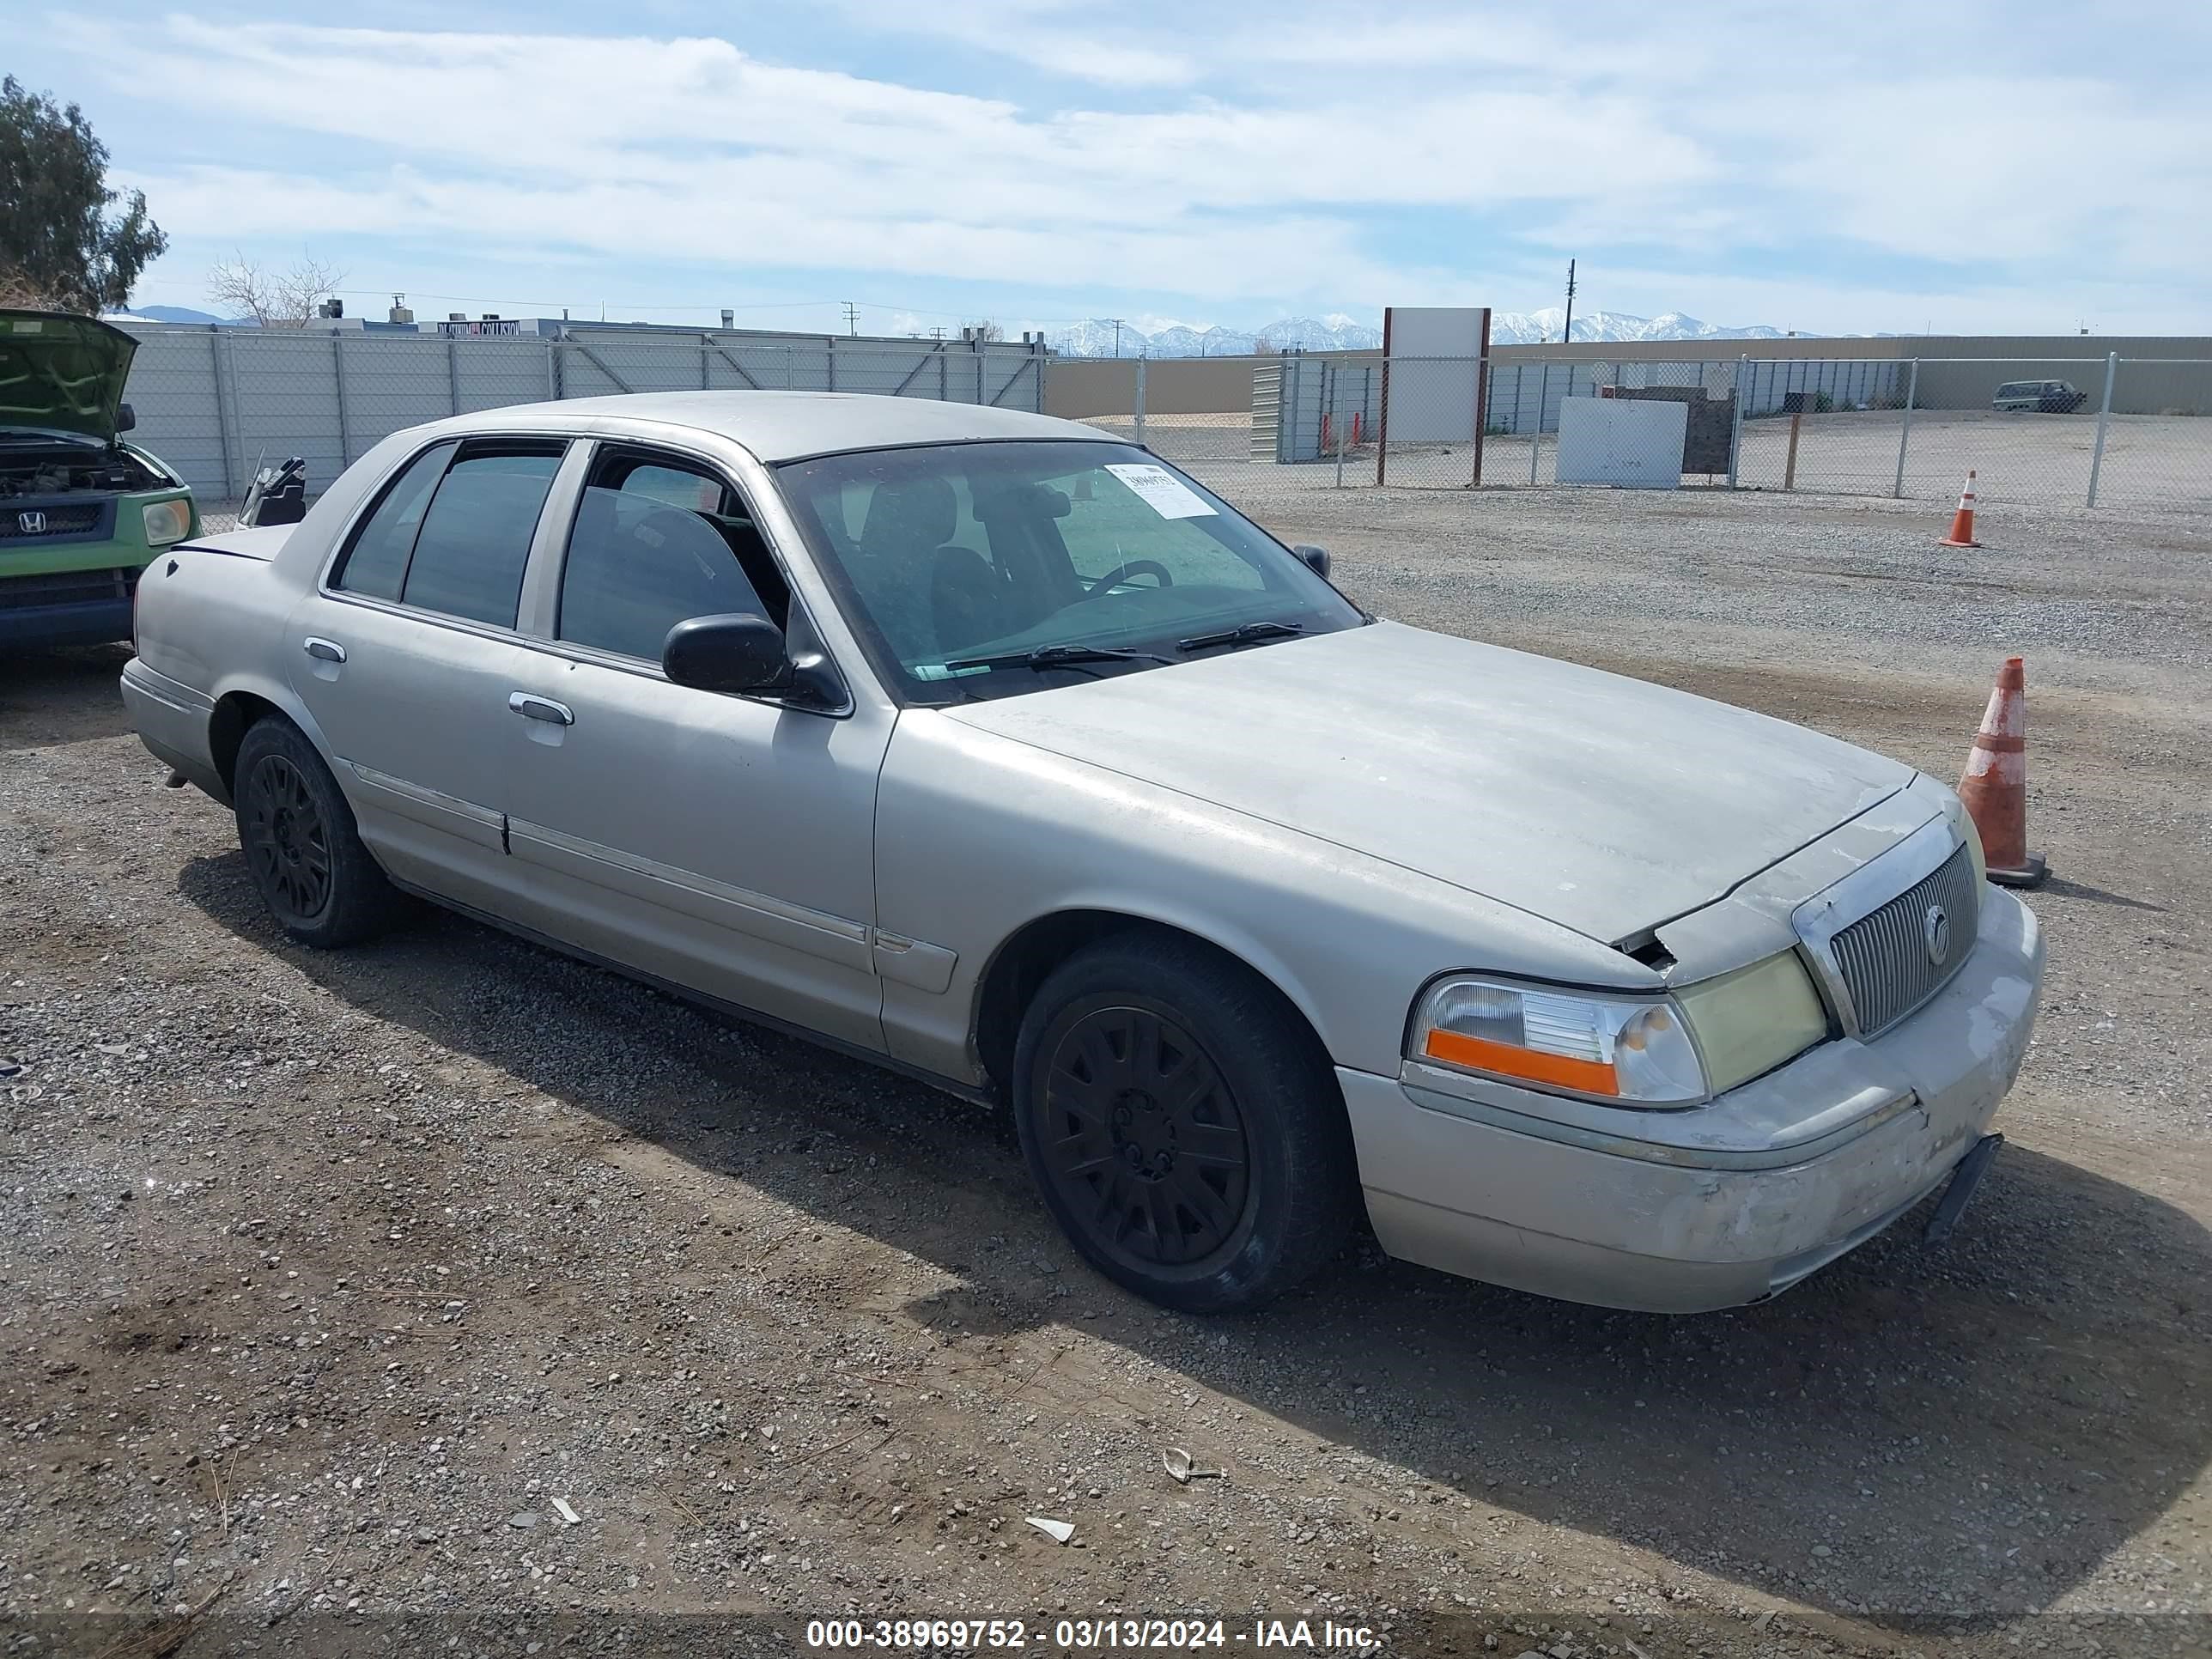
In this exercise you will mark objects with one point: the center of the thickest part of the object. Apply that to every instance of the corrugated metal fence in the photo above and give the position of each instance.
(214, 402)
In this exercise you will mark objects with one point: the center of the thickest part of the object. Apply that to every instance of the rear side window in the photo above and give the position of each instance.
(475, 539)
(376, 563)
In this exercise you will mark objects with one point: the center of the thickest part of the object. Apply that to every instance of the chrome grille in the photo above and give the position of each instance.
(1883, 957)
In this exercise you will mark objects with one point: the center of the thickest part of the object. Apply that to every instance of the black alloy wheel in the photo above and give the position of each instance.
(286, 841)
(1183, 1123)
(302, 847)
(1144, 1139)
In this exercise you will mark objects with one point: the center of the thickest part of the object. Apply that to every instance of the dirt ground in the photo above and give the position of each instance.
(332, 1272)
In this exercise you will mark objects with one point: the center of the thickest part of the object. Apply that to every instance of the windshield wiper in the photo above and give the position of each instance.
(1244, 634)
(1057, 656)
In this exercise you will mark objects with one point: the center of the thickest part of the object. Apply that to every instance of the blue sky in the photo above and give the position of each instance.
(1869, 168)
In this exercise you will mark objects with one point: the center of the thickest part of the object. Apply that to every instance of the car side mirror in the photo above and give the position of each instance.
(738, 652)
(126, 418)
(1315, 558)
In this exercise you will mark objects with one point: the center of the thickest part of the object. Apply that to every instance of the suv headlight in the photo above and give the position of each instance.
(166, 522)
(1609, 1047)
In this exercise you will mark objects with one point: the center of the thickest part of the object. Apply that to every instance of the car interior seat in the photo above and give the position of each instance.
(928, 593)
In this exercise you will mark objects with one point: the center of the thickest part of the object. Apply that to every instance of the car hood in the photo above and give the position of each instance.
(60, 373)
(1607, 804)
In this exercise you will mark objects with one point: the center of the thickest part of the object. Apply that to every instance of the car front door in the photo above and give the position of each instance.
(405, 656)
(722, 842)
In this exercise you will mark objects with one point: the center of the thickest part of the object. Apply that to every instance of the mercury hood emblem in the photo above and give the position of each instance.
(1935, 933)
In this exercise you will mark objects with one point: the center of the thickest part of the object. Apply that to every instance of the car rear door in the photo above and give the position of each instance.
(406, 655)
(722, 842)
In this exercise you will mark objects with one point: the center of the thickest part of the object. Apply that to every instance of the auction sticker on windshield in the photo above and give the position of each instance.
(1161, 490)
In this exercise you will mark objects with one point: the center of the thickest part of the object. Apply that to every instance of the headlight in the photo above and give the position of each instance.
(1749, 1022)
(168, 521)
(1631, 1048)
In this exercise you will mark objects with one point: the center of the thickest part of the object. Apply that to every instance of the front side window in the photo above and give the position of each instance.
(950, 553)
(657, 541)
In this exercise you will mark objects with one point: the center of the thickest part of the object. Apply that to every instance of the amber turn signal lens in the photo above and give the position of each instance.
(1588, 1076)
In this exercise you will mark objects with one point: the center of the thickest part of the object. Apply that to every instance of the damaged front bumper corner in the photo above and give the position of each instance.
(1729, 1204)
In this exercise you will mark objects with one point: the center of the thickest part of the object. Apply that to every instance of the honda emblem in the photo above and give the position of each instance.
(31, 524)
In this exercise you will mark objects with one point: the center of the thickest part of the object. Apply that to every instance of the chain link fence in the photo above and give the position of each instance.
(2085, 431)
(1195, 440)
(214, 402)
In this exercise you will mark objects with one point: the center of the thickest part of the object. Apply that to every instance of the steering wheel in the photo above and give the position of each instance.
(1122, 573)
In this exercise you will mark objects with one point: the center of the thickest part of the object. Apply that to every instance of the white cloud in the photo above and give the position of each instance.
(1421, 157)
(1062, 38)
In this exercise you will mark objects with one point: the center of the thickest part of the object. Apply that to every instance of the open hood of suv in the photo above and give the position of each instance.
(60, 373)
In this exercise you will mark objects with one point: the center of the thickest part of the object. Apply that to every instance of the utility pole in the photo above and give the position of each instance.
(936, 333)
(1117, 321)
(1567, 334)
(851, 317)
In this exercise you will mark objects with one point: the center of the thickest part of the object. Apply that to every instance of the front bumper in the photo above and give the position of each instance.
(81, 621)
(1681, 1212)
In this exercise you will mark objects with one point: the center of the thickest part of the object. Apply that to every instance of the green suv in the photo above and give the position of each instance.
(81, 512)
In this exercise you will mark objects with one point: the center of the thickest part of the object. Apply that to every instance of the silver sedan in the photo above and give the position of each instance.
(994, 748)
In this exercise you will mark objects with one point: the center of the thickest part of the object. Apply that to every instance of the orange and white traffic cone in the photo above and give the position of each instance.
(1995, 785)
(1962, 521)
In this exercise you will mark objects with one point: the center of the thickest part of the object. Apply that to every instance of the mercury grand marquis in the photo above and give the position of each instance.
(995, 748)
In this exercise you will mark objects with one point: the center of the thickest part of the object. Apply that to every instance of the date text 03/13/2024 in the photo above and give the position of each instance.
(1090, 1635)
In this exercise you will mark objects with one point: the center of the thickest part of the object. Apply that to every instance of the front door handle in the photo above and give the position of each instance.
(539, 708)
(323, 650)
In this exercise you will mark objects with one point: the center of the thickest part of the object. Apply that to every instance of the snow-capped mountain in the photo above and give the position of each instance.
(1539, 327)
(1098, 338)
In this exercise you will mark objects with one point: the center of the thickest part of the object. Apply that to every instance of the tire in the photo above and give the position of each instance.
(1182, 1125)
(301, 846)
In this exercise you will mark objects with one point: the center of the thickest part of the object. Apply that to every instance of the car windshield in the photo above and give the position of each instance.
(952, 554)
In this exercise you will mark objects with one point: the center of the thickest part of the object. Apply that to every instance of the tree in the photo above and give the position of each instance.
(275, 299)
(59, 246)
(986, 330)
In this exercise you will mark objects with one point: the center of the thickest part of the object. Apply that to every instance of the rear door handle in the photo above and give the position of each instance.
(539, 708)
(323, 650)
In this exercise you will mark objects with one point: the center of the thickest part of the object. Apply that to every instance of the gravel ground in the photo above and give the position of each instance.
(334, 1273)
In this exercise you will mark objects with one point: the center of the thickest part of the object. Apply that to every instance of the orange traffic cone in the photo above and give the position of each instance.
(1962, 521)
(1995, 786)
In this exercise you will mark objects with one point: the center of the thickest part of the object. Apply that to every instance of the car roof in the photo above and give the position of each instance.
(787, 426)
